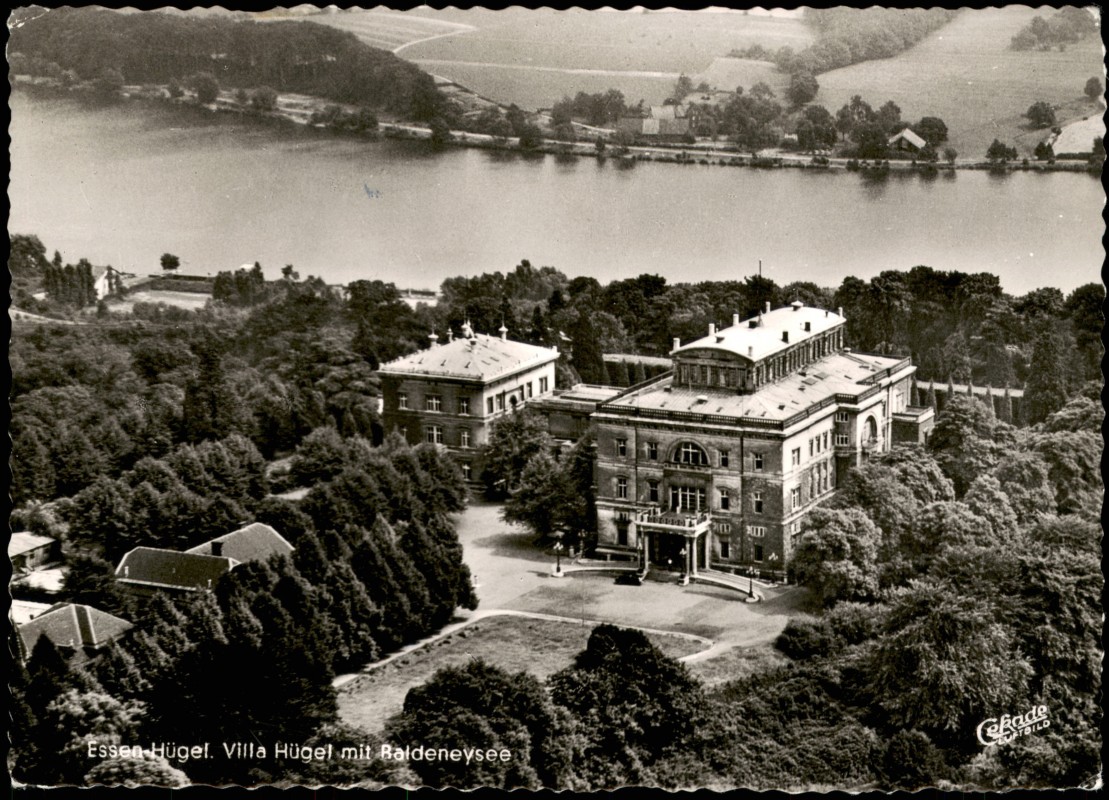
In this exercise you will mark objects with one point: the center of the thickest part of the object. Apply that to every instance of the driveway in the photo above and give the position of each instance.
(510, 572)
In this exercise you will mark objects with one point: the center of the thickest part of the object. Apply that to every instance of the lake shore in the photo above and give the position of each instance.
(299, 109)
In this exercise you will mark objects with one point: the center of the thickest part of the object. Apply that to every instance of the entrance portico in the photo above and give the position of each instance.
(665, 535)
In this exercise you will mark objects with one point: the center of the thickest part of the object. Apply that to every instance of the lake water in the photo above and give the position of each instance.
(126, 183)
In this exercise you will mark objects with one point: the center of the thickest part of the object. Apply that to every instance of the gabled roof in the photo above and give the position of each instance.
(73, 626)
(24, 542)
(765, 339)
(169, 569)
(909, 136)
(480, 357)
(255, 542)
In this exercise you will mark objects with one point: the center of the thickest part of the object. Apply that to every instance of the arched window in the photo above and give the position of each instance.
(690, 453)
(871, 429)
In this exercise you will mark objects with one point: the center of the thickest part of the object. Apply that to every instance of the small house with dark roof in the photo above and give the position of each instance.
(450, 393)
(907, 141)
(661, 123)
(78, 631)
(255, 542)
(29, 551)
(146, 570)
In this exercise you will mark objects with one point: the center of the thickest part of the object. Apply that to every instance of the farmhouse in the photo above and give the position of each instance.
(450, 393)
(907, 141)
(78, 631)
(661, 123)
(718, 461)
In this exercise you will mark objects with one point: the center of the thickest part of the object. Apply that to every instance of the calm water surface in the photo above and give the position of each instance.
(124, 184)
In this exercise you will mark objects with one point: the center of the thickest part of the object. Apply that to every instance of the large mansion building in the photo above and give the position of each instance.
(718, 461)
(450, 393)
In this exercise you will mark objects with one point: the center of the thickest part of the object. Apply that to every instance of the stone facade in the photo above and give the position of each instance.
(754, 426)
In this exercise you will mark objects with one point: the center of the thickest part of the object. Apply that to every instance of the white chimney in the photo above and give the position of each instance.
(712, 329)
(735, 319)
(433, 338)
(503, 331)
(677, 342)
(767, 306)
(840, 311)
(750, 351)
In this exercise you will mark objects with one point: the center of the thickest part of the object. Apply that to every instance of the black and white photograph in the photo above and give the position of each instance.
(433, 398)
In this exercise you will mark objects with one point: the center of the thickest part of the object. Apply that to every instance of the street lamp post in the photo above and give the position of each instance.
(558, 559)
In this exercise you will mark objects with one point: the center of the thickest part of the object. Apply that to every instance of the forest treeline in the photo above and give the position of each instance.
(1068, 25)
(377, 564)
(959, 582)
(274, 360)
(846, 36)
(289, 56)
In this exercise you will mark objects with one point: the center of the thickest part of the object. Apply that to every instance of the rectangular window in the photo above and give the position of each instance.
(434, 434)
(812, 448)
(464, 437)
(758, 552)
(433, 402)
(758, 461)
(500, 402)
(757, 497)
(542, 385)
(402, 400)
(842, 439)
(796, 458)
(464, 405)
(621, 447)
(725, 549)
(489, 405)
(652, 451)
(622, 531)
(725, 458)
(652, 491)
(622, 488)
(756, 531)
(841, 416)
(467, 471)
(529, 389)
(795, 497)
(725, 500)
(825, 440)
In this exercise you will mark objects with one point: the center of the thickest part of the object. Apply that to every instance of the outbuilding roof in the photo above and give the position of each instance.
(73, 626)
(479, 357)
(764, 338)
(24, 542)
(255, 542)
(169, 569)
(909, 136)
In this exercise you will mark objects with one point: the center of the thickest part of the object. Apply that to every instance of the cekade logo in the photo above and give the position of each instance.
(999, 731)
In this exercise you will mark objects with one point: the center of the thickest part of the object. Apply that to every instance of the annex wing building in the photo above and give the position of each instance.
(718, 461)
(450, 393)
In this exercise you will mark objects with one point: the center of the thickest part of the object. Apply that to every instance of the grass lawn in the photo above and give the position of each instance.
(540, 647)
(966, 74)
(739, 662)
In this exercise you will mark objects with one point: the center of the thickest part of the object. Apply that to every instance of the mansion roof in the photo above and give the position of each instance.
(478, 358)
(765, 339)
(819, 383)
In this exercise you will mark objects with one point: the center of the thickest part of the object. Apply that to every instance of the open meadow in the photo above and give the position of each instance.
(966, 74)
(541, 647)
(535, 57)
